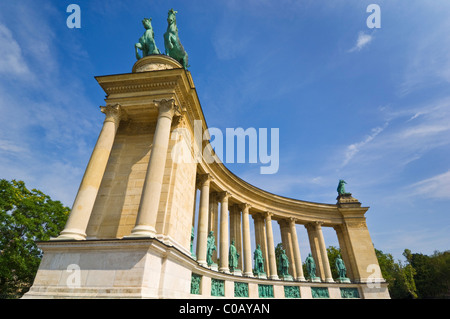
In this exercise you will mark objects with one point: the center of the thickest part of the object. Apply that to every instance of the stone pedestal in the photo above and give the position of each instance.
(122, 268)
(343, 280)
(237, 272)
(315, 279)
(287, 278)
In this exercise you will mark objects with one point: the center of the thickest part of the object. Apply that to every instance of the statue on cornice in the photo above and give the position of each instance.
(341, 187)
(172, 42)
(147, 41)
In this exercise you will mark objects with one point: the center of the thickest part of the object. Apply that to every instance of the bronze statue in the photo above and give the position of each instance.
(147, 41)
(172, 43)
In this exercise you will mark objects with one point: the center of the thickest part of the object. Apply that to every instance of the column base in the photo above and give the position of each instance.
(142, 231)
(70, 235)
(214, 267)
(287, 278)
(225, 270)
(343, 280)
(237, 272)
(300, 279)
(330, 280)
(274, 277)
(315, 279)
(261, 276)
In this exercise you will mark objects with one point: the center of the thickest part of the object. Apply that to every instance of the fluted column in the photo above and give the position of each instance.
(75, 227)
(224, 241)
(202, 231)
(151, 192)
(273, 274)
(296, 251)
(246, 239)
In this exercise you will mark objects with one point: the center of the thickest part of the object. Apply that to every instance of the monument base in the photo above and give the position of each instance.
(122, 268)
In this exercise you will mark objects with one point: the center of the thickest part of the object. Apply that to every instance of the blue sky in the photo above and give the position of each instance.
(371, 106)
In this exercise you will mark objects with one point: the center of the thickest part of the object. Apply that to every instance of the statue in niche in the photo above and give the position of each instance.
(340, 266)
(233, 257)
(172, 42)
(147, 41)
(311, 266)
(259, 261)
(210, 248)
(283, 264)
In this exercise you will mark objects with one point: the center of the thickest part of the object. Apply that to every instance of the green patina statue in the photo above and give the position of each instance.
(172, 43)
(210, 248)
(283, 264)
(311, 266)
(259, 261)
(233, 257)
(340, 267)
(147, 41)
(341, 188)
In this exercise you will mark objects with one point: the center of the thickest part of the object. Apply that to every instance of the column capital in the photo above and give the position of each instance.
(245, 206)
(167, 108)
(268, 215)
(292, 221)
(204, 178)
(314, 225)
(223, 195)
(112, 112)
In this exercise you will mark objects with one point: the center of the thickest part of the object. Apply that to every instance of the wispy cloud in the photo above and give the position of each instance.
(362, 41)
(354, 148)
(12, 61)
(434, 187)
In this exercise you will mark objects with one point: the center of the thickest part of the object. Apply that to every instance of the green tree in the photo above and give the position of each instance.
(432, 276)
(25, 218)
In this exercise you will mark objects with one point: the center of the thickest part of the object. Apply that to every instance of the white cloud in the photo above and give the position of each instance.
(353, 149)
(434, 187)
(12, 61)
(362, 41)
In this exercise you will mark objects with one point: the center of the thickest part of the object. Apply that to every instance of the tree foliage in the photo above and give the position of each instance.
(26, 217)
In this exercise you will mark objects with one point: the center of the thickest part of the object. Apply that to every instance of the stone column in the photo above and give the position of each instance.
(319, 251)
(248, 272)
(202, 231)
(286, 239)
(224, 241)
(260, 238)
(213, 220)
(75, 227)
(273, 274)
(345, 251)
(296, 250)
(235, 231)
(151, 192)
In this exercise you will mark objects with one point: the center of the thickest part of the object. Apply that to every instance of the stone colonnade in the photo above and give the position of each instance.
(234, 223)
